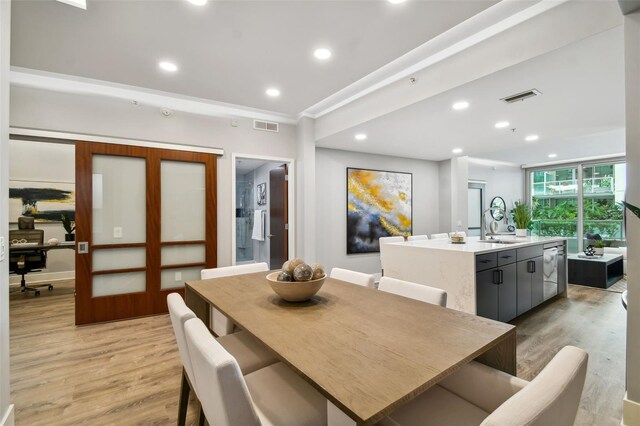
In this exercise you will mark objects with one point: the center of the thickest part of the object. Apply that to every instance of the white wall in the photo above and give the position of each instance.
(331, 203)
(45, 162)
(103, 116)
(453, 198)
(501, 180)
(6, 409)
(632, 76)
(261, 249)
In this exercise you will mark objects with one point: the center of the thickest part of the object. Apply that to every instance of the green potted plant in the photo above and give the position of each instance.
(69, 226)
(598, 246)
(522, 218)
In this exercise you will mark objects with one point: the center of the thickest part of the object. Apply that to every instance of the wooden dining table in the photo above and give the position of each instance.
(368, 352)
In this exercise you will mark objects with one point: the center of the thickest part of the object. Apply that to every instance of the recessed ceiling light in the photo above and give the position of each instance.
(322, 53)
(553, 155)
(501, 124)
(457, 150)
(198, 2)
(168, 66)
(460, 105)
(532, 138)
(273, 92)
(361, 136)
(396, 1)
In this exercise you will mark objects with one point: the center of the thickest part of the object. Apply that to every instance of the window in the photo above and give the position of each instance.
(554, 202)
(576, 200)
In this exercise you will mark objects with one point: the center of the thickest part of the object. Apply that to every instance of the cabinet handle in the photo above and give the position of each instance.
(496, 276)
(531, 266)
(501, 276)
(505, 257)
(485, 261)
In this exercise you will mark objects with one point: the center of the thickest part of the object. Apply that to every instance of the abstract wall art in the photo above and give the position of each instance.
(45, 201)
(378, 205)
(262, 194)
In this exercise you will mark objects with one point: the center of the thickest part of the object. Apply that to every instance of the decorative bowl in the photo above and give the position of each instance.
(295, 291)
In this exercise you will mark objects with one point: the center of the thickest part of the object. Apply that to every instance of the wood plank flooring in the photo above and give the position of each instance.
(128, 372)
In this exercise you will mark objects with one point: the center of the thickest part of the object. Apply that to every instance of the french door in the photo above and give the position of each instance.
(146, 223)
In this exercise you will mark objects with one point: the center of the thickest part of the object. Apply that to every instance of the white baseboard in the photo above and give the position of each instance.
(8, 419)
(630, 412)
(42, 277)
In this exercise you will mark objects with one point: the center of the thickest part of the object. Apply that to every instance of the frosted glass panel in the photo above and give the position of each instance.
(175, 278)
(175, 255)
(119, 200)
(475, 209)
(107, 259)
(110, 284)
(183, 201)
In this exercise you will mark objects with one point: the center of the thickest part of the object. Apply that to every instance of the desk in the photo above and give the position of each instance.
(367, 351)
(44, 247)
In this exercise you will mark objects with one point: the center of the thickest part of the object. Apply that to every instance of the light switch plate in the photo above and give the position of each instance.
(117, 232)
(3, 248)
(178, 276)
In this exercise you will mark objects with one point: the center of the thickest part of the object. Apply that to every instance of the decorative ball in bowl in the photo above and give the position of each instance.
(297, 281)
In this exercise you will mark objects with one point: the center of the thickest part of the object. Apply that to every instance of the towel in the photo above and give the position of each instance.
(258, 225)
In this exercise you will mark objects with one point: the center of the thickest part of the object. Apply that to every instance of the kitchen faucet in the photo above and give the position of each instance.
(483, 224)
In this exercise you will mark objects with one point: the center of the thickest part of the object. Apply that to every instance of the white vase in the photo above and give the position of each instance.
(599, 251)
(521, 232)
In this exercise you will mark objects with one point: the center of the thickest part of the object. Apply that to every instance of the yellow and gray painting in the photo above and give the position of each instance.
(378, 205)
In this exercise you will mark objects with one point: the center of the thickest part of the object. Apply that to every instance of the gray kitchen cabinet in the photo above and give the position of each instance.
(496, 292)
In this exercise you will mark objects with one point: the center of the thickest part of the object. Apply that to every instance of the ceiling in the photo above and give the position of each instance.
(247, 165)
(229, 51)
(582, 89)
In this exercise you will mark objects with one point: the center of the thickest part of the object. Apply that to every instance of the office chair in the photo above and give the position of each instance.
(24, 261)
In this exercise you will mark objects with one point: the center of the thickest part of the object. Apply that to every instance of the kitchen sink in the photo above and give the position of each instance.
(499, 241)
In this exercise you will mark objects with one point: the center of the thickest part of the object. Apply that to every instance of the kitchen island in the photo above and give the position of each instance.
(497, 280)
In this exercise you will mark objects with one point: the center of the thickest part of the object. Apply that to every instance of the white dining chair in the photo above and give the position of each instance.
(442, 236)
(480, 395)
(179, 314)
(420, 292)
(382, 241)
(220, 324)
(461, 233)
(250, 354)
(417, 237)
(359, 278)
(273, 395)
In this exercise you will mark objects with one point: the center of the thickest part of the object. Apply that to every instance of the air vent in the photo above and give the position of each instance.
(521, 96)
(267, 126)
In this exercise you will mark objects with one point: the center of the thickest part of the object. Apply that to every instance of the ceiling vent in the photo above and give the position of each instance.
(267, 126)
(521, 96)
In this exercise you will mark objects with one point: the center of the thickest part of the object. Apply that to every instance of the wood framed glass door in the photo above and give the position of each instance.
(146, 223)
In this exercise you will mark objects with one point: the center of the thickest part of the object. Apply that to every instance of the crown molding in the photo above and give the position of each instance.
(72, 84)
(492, 21)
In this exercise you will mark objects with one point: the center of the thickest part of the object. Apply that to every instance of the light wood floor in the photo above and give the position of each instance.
(128, 372)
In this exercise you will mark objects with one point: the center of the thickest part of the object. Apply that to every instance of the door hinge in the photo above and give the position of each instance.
(286, 177)
(286, 226)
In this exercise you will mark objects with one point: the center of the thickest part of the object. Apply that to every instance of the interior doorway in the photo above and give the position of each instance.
(476, 206)
(263, 210)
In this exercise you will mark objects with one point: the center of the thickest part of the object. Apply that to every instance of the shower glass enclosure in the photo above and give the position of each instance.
(244, 219)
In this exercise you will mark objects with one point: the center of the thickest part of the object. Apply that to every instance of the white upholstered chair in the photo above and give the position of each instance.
(250, 354)
(480, 395)
(274, 395)
(421, 292)
(442, 236)
(417, 237)
(359, 278)
(220, 324)
(386, 240)
(461, 233)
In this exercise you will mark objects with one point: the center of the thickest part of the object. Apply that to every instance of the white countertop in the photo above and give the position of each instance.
(474, 246)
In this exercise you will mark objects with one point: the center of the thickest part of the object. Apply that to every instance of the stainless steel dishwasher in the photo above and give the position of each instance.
(550, 269)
